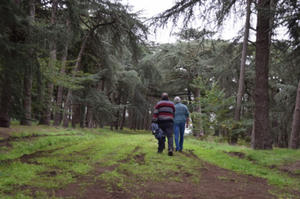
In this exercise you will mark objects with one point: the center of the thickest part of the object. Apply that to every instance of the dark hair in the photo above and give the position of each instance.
(164, 96)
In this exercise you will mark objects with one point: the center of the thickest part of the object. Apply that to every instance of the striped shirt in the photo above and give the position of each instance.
(164, 111)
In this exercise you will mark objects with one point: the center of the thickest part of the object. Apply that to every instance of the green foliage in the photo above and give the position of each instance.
(216, 108)
(72, 81)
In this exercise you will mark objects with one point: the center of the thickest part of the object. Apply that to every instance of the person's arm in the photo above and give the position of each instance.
(155, 115)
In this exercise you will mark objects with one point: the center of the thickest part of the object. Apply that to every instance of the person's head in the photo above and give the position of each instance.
(164, 96)
(177, 100)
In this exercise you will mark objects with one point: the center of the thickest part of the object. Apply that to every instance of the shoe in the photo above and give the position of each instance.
(159, 151)
(170, 153)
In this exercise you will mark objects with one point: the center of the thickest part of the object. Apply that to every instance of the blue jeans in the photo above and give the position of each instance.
(179, 132)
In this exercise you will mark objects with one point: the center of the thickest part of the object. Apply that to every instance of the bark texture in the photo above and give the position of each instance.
(243, 63)
(46, 113)
(60, 89)
(295, 135)
(5, 103)
(261, 138)
(198, 129)
(26, 120)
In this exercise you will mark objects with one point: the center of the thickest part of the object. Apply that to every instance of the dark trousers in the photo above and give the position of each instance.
(167, 128)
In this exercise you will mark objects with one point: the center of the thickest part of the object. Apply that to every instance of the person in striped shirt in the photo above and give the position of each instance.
(163, 114)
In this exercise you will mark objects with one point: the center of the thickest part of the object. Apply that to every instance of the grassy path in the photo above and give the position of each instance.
(43, 162)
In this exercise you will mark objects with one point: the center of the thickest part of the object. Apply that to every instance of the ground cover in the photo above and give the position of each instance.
(47, 162)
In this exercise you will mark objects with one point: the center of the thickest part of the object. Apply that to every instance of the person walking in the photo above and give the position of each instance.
(181, 119)
(163, 115)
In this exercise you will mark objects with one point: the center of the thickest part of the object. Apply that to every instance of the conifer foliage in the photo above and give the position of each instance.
(88, 63)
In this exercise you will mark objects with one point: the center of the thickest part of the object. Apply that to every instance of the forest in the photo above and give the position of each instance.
(71, 67)
(88, 63)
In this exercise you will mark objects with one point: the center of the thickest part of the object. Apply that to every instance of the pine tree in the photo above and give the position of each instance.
(295, 134)
(261, 131)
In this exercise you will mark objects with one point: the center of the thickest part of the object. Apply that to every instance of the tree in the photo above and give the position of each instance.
(243, 63)
(28, 76)
(46, 112)
(261, 138)
(241, 83)
(13, 30)
(295, 134)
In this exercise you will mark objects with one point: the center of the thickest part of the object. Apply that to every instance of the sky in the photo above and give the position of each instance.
(150, 8)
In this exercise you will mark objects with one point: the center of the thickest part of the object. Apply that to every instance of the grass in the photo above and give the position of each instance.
(42, 159)
(256, 162)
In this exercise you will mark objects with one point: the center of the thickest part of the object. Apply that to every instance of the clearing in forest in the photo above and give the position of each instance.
(44, 162)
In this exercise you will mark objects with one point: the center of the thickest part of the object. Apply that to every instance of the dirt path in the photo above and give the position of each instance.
(214, 183)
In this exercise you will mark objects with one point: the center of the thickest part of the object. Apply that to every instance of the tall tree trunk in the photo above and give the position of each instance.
(26, 119)
(243, 63)
(134, 121)
(68, 101)
(89, 117)
(10, 62)
(131, 118)
(66, 112)
(5, 101)
(46, 114)
(197, 122)
(295, 135)
(240, 93)
(76, 114)
(60, 89)
(123, 118)
(118, 100)
(82, 117)
(261, 132)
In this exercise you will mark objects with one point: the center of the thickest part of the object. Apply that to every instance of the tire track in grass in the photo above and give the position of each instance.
(245, 184)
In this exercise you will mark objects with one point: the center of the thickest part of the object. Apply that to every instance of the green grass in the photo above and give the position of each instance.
(256, 162)
(58, 156)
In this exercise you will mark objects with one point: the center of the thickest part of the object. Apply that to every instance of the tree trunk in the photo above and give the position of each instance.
(26, 119)
(46, 114)
(82, 115)
(60, 89)
(89, 117)
(5, 102)
(197, 122)
(123, 118)
(295, 135)
(240, 93)
(76, 114)
(243, 63)
(66, 112)
(134, 124)
(261, 138)
(6, 94)
(68, 100)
